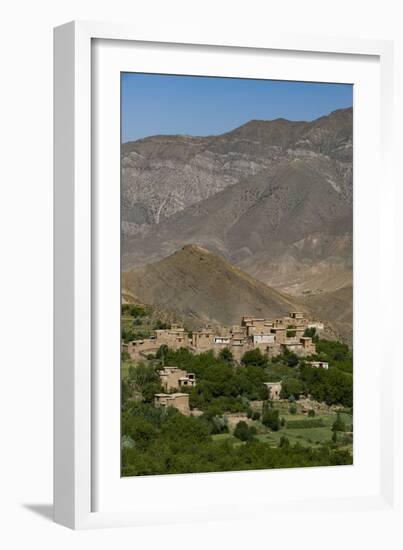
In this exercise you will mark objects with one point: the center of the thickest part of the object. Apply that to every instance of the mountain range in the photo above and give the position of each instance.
(273, 199)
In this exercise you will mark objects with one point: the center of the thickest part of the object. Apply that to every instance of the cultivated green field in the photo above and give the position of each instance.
(308, 437)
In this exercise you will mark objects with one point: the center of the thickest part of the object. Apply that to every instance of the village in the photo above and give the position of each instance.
(271, 336)
(270, 382)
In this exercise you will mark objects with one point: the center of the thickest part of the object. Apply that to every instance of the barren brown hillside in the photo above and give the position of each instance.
(337, 308)
(203, 288)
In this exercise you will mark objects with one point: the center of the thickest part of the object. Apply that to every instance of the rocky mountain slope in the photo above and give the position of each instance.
(203, 288)
(162, 175)
(277, 227)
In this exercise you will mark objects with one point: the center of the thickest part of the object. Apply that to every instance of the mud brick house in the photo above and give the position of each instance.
(274, 389)
(173, 377)
(318, 364)
(179, 401)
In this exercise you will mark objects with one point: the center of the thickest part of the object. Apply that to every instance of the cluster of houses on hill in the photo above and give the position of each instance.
(271, 336)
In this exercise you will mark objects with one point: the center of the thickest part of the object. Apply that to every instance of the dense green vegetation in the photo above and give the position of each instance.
(337, 354)
(271, 418)
(159, 441)
(269, 434)
(134, 310)
(331, 386)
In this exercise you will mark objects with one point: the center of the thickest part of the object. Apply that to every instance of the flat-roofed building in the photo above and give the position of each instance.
(138, 348)
(222, 340)
(203, 339)
(179, 401)
(175, 378)
(297, 319)
(187, 381)
(308, 345)
(280, 334)
(175, 337)
(274, 389)
(318, 364)
(263, 338)
(318, 325)
(297, 314)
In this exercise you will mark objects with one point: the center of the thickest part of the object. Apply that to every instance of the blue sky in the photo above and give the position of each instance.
(200, 106)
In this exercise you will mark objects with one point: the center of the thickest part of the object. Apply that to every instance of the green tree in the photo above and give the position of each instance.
(217, 424)
(332, 386)
(133, 310)
(292, 409)
(179, 428)
(291, 386)
(141, 431)
(254, 357)
(241, 431)
(137, 311)
(310, 332)
(162, 353)
(226, 355)
(127, 335)
(291, 359)
(149, 390)
(141, 374)
(244, 432)
(271, 419)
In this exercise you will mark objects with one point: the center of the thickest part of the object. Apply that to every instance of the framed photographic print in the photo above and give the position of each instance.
(220, 242)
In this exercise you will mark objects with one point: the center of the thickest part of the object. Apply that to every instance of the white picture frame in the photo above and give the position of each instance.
(79, 310)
